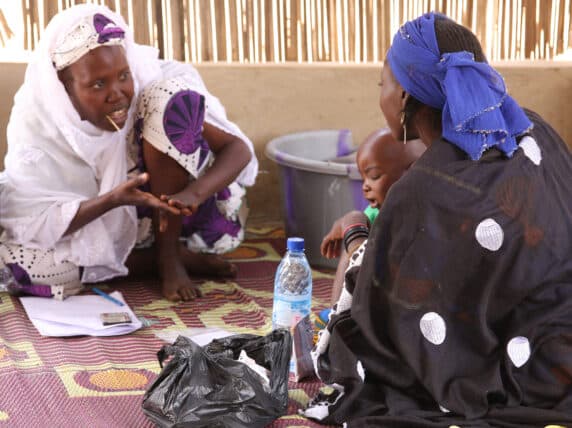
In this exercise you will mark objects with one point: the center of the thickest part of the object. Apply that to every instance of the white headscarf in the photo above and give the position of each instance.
(56, 160)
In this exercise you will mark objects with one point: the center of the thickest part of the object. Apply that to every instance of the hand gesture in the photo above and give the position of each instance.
(128, 194)
(187, 201)
(331, 246)
(178, 204)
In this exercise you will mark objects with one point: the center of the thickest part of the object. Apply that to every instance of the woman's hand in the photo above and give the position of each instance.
(186, 201)
(128, 194)
(125, 194)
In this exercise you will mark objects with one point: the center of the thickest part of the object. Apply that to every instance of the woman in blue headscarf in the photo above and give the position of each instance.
(458, 312)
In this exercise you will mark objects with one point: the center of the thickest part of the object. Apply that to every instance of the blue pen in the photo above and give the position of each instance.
(107, 296)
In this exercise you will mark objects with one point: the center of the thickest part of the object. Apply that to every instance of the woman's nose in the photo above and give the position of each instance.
(365, 186)
(114, 94)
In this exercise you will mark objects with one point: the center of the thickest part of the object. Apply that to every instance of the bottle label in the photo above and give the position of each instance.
(287, 313)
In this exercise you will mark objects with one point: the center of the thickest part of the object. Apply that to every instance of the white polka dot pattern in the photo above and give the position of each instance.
(518, 349)
(444, 409)
(345, 301)
(433, 328)
(360, 370)
(323, 340)
(531, 150)
(489, 234)
(319, 411)
(357, 257)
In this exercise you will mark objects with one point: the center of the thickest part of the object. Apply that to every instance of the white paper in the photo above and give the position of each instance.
(77, 315)
(200, 335)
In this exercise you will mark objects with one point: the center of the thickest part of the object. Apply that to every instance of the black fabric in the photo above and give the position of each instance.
(423, 257)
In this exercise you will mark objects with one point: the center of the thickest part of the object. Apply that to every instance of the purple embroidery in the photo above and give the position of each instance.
(223, 195)
(24, 283)
(183, 122)
(20, 274)
(209, 223)
(106, 32)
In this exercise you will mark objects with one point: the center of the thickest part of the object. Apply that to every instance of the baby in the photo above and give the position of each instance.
(381, 160)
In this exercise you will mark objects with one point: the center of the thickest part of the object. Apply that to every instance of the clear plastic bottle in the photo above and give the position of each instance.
(292, 287)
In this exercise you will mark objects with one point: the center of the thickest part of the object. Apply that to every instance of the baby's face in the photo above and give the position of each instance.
(378, 172)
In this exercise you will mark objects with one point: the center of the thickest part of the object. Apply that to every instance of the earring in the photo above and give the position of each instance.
(403, 121)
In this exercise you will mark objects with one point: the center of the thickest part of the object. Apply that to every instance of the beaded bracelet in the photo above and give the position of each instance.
(351, 226)
(359, 231)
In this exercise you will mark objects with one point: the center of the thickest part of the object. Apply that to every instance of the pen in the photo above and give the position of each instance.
(107, 296)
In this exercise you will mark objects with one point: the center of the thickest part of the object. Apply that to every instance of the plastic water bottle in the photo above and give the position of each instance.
(292, 287)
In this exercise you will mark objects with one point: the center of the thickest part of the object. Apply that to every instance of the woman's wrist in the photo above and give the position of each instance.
(110, 200)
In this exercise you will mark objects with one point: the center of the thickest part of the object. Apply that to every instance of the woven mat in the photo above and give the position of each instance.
(100, 381)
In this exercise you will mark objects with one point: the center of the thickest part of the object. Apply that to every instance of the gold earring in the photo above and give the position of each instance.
(404, 124)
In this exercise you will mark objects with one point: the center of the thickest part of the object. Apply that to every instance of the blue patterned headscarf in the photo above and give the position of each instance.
(477, 112)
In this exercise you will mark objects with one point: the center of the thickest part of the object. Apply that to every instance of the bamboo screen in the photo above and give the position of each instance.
(344, 31)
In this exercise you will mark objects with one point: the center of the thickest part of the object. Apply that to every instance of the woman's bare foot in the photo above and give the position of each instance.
(176, 284)
(143, 263)
(207, 264)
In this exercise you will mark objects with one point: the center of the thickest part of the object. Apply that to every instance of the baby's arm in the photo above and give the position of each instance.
(331, 246)
(351, 218)
(231, 156)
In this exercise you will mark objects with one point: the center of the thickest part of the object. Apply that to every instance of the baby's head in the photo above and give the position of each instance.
(381, 160)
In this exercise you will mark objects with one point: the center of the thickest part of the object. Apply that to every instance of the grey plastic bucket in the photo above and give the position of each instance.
(320, 183)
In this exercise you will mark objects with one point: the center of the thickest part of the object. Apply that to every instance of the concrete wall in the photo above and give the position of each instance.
(267, 101)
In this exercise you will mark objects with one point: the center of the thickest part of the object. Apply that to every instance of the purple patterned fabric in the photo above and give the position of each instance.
(183, 119)
(20, 275)
(223, 195)
(209, 223)
(106, 32)
(183, 123)
(24, 283)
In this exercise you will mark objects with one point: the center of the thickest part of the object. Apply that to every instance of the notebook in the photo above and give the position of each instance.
(78, 315)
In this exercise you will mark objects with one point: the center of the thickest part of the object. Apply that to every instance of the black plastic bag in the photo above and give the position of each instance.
(208, 387)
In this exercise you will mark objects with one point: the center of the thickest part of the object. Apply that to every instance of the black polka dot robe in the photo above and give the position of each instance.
(459, 311)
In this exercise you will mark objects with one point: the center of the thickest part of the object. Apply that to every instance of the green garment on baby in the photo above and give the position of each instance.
(371, 213)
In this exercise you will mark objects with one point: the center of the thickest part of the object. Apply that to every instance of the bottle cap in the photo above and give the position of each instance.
(295, 244)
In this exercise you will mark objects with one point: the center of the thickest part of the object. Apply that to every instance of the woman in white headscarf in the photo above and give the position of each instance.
(67, 204)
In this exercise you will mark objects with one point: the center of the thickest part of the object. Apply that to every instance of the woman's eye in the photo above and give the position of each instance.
(98, 84)
(125, 75)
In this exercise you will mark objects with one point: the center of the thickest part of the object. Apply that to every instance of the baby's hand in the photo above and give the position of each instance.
(331, 246)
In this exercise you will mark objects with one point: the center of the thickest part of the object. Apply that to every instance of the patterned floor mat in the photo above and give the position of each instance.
(100, 381)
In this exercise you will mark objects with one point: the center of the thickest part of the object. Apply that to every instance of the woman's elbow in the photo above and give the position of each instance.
(244, 155)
